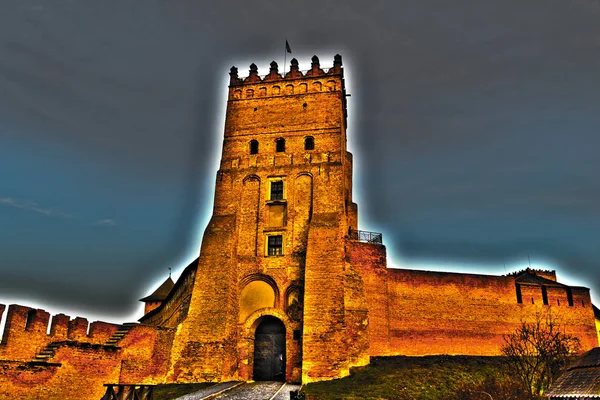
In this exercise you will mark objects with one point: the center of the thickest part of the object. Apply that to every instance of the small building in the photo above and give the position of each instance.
(581, 380)
(158, 296)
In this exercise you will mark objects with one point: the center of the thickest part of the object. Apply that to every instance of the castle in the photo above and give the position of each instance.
(286, 285)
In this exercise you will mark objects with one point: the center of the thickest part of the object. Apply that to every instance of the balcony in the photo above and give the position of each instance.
(365, 236)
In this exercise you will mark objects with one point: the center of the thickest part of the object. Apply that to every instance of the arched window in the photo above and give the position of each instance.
(254, 147)
(309, 143)
(280, 145)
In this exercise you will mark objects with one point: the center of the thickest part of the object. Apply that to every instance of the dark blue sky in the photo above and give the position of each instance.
(475, 129)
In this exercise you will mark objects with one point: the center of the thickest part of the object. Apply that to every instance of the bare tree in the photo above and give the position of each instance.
(538, 351)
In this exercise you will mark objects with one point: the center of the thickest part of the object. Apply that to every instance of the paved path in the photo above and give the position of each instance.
(203, 393)
(260, 391)
(284, 394)
(245, 391)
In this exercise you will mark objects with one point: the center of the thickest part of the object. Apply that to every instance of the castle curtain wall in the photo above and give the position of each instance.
(424, 313)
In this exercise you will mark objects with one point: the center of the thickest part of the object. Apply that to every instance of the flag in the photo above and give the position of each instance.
(287, 47)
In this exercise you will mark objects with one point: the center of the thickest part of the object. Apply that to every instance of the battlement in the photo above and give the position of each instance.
(28, 330)
(293, 83)
(544, 273)
(294, 72)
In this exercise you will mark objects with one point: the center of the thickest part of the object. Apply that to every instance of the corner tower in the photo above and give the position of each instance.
(274, 251)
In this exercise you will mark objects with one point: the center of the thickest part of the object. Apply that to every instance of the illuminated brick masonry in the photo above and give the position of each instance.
(286, 286)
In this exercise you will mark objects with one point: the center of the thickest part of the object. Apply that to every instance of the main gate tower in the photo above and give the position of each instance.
(269, 298)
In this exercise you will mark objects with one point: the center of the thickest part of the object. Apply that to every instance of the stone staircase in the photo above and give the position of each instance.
(48, 352)
(120, 333)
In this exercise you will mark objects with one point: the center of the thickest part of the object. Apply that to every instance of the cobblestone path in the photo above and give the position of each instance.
(211, 390)
(259, 391)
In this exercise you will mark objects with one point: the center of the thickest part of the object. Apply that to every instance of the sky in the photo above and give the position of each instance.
(474, 127)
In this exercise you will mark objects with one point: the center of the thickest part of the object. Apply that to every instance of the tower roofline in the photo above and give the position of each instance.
(294, 72)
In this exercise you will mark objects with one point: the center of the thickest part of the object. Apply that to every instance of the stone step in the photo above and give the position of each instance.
(120, 333)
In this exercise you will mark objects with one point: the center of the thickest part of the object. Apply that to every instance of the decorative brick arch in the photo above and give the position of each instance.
(251, 177)
(256, 318)
(304, 173)
(246, 348)
(293, 312)
(264, 278)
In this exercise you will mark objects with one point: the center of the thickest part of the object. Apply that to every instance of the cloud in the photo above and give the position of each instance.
(105, 222)
(33, 206)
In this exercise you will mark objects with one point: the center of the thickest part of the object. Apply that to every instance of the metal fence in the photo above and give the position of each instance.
(365, 236)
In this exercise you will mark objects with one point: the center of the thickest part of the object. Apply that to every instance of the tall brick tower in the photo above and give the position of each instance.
(270, 297)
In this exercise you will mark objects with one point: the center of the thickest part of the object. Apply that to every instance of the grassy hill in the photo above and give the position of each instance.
(420, 378)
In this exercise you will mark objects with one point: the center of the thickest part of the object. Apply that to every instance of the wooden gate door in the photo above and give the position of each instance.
(269, 350)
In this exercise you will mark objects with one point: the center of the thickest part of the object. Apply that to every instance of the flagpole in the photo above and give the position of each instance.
(284, 57)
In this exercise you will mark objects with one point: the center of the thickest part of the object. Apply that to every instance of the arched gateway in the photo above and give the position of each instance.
(269, 350)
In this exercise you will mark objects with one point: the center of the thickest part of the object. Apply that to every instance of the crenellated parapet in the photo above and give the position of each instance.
(293, 73)
(28, 331)
(294, 81)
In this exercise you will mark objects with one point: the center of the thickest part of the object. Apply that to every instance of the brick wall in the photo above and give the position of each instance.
(450, 313)
(78, 372)
(370, 261)
(146, 353)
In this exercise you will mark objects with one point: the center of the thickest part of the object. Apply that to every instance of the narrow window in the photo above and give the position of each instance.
(519, 297)
(254, 147)
(545, 295)
(297, 334)
(280, 145)
(309, 143)
(277, 190)
(570, 296)
(532, 302)
(582, 303)
(275, 245)
(558, 302)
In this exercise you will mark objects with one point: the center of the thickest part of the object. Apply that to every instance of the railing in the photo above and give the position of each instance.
(365, 236)
(119, 391)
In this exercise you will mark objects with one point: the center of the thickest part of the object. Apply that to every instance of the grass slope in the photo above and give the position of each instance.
(420, 378)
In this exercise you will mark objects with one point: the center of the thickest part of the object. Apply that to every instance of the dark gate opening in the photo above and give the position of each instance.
(269, 350)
